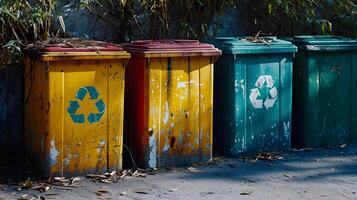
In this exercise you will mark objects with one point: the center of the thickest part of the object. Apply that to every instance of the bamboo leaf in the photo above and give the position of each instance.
(63, 26)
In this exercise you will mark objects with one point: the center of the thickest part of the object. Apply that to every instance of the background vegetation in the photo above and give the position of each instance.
(293, 17)
(24, 21)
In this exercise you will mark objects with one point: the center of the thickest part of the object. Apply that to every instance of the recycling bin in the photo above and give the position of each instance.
(169, 102)
(74, 93)
(252, 96)
(325, 81)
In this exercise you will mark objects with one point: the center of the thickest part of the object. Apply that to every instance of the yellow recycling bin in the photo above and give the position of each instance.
(169, 106)
(74, 98)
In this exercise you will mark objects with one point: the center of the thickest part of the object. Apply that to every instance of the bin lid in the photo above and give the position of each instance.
(251, 45)
(76, 49)
(171, 48)
(324, 43)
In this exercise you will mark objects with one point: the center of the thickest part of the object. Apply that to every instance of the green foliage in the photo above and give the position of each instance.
(22, 23)
(343, 16)
(292, 17)
(117, 14)
(167, 18)
(183, 18)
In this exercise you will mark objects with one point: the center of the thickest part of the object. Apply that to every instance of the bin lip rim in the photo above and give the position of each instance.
(242, 41)
(72, 45)
(239, 45)
(323, 40)
(340, 47)
(75, 49)
(170, 46)
(58, 56)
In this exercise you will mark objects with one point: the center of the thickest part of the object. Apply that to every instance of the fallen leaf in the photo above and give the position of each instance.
(27, 184)
(106, 181)
(140, 192)
(96, 176)
(288, 175)
(64, 188)
(110, 174)
(139, 174)
(173, 190)
(52, 194)
(59, 178)
(75, 179)
(197, 164)
(204, 193)
(41, 187)
(100, 192)
(249, 180)
(193, 170)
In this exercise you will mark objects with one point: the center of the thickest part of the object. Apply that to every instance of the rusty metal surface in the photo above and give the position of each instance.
(169, 110)
(74, 116)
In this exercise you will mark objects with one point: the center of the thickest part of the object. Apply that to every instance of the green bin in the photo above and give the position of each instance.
(253, 96)
(325, 91)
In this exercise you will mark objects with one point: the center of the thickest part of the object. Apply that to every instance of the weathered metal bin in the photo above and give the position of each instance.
(74, 107)
(325, 91)
(253, 96)
(169, 96)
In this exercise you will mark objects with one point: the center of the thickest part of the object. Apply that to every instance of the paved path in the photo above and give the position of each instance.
(318, 174)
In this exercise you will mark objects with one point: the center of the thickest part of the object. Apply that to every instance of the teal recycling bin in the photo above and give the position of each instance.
(325, 91)
(253, 96)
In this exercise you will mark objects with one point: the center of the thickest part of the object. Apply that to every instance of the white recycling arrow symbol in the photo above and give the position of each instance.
(263, 81)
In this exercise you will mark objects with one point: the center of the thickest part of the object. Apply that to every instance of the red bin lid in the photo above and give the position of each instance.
(76, 49)
(78, 45)
(152, 48)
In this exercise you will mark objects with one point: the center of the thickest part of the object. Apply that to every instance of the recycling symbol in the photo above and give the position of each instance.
(264, 83)
(74, 106)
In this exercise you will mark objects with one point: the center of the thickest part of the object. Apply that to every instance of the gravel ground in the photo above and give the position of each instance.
(317, 174)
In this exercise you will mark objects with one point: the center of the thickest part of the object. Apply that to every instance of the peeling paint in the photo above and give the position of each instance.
(286, 127)
(166, 114)
(67, 160)
(76, 155)
(100, 146)
(53, 152)
(166, 147)
(239, 85)
(181, 84)
(242, 86)
(153, 154)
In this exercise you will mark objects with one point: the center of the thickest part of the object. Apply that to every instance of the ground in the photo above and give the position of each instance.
(308, 174)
